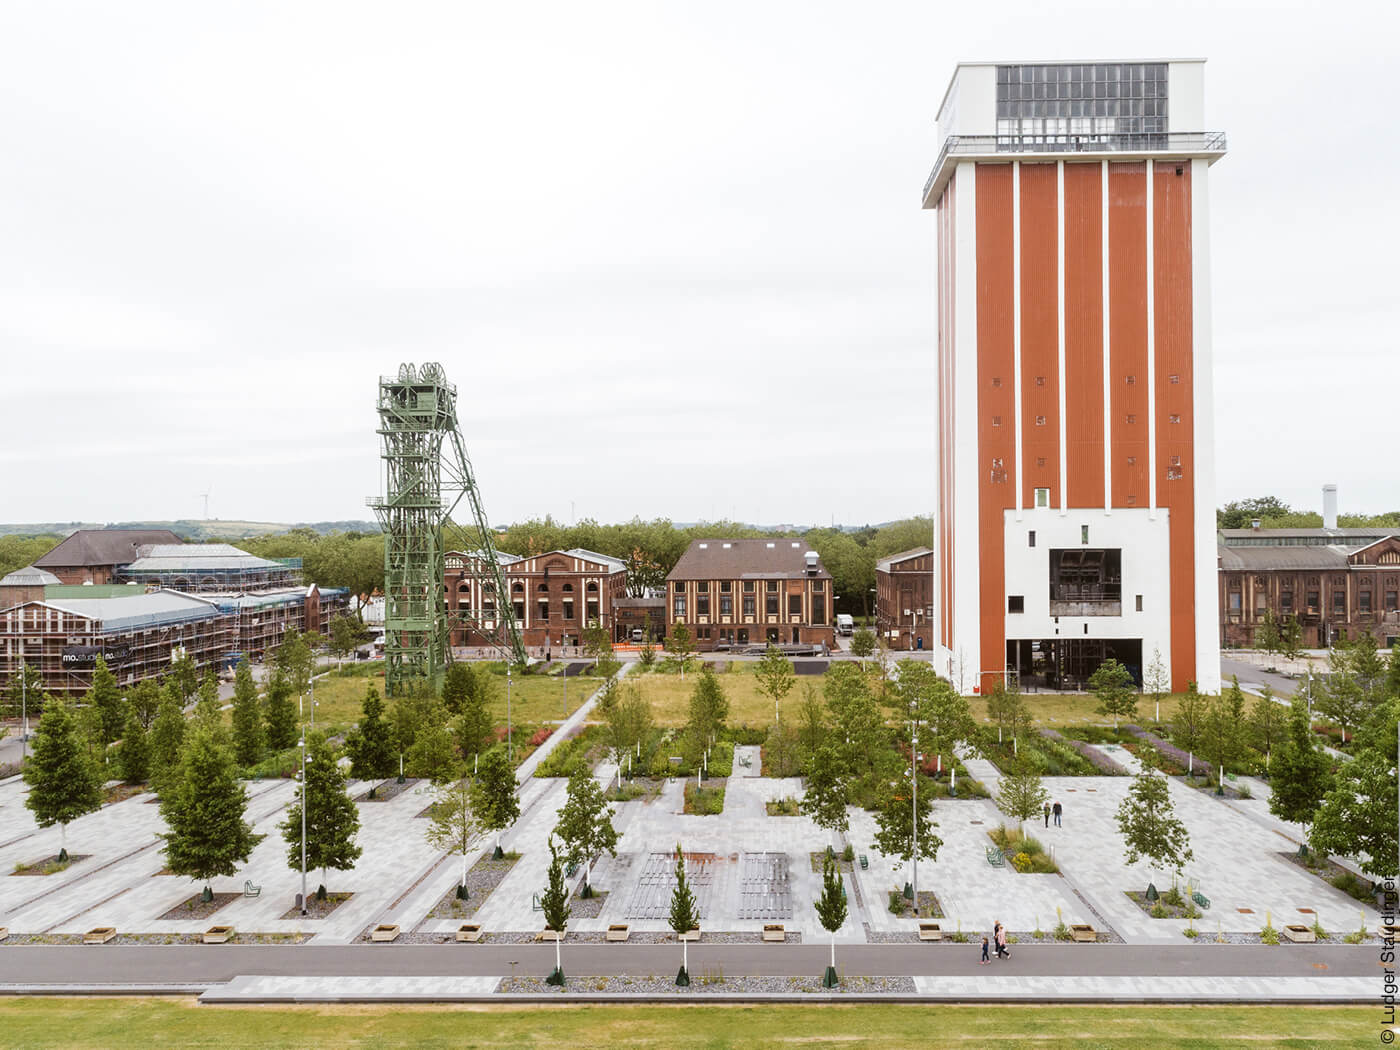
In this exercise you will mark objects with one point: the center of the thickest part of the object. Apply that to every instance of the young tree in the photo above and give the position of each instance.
(1188, 727)
(1007, 707)
(828, 792)
(145, 701)
(135, 754)
(25, 693)
(1158, 682)
(184, 675)
(554, 902)
(780, 751)
(294, 659)
(370, 744)
(811, 728)
(628, 721)
(279, 713)
(475, 727)
(863, 643)
(1266, 721)
(1290, 638)
(207, 708)
(1357, 816)
(709, 707)
(1350, 694)
(105, 697)
(859, 730)
(585, 824)
(1022, 795)
(1266, 638)
(433, 756)
(1301, 774)
(204, 810)
(247, 717)
(1112, 683)
(942, 713)
(494, 795)
(894, 824)
(597, 644)
(64, 782)
(684, 916)
(680, 645)
(775, 676)
(457, 685)
(831, 910)
(1148, 824)
(347, 634)
(332, 821)
(167, 738)
(1225, 728)
(454, 826)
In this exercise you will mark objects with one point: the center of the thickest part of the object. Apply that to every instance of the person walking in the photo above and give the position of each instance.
(1000, 938)
(1047, 814)
(986, 958)
(1058, 811)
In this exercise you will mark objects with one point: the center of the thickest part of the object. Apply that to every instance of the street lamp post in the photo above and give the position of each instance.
(509, 753)
(913, 795)
(304, 760)
(23, 710)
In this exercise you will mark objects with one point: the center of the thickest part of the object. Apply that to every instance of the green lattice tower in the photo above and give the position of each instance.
(417, 410)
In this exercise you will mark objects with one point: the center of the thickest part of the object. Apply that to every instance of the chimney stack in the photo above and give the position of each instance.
(1329, 506)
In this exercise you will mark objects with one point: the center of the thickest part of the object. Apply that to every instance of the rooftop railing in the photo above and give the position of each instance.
(1179, 142)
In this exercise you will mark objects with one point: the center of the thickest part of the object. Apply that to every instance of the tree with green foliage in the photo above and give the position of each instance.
(859, 726)
(863, 643)
(135, 754)
(247, 717)
(940, 712)
(812, 729)
(627, 722)
(554, 902)
(1225, 729)
(828, 792)
(1354, 686)
(1149, 826)
(475, 727)
(494, 796)
(1006, 706)
(105, 697)
(25, 692)
(680, 645)
(204, 810)
(279, 713)
(1157, 681)
(1189, 725)
(598, 646)
(1301, 773)
(775, 677)
(370, 744)
(1290, 638)
(1266, 724)
(1237, 514)
(433, 756)
(895, 819)
(1112, 683)
(184, 675)
(457, 685)
(1357, 815)
(348, 633)
(167, 739)
(831, 911)
(1022, 794)
(585, 824)
(207, 708)
(293, 658)
(332, 820)
(708, 709)
(64, 781)
(144, 699)
(684, 916)
(1266, 638)
(410, 713)
(454, 825)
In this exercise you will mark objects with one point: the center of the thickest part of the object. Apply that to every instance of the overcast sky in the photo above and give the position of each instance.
(671, 254)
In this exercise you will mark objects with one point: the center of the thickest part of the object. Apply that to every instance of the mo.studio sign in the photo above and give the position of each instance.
(86, 655)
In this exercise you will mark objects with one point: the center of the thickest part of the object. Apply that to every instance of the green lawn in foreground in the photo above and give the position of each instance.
(115, 1024)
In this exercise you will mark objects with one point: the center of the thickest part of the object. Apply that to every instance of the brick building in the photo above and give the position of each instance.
(750, 592)
(904, 599)
(94, 555)
(554, 596)
(1335, 582)
(637, 614)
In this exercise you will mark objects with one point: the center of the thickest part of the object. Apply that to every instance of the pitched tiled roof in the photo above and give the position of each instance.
(103, 547)
(721, 559)
(884, 563)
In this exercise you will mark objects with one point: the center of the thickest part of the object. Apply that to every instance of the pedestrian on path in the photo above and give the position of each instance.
(999, 937)
(986, 959)
(1058, 810)
(1047, 814)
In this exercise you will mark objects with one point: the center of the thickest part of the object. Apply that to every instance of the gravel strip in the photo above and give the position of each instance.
(703, 982)
(317, 909)
(587, 907)
(483, 877)
(194, 908)
(387, 790)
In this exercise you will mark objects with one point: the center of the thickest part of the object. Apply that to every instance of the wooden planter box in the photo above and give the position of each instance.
(385, 931)
(217, 935)
(773, 932)
(1082, 931)
(617, 932)
(469, 932)
(930, 931)
(549, 935)
(690, 935)
(99, 935)
(4, 932)
(1300, 934)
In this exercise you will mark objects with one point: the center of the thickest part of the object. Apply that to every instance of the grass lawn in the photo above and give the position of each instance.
(669, 696)
(115, 1024)
(1059, 709)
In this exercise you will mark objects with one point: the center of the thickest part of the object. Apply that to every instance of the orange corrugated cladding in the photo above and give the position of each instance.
(1176, 471)
(1084, 334)
(996, 405)
(1127, 328)
(1040, 335)
(947, 287)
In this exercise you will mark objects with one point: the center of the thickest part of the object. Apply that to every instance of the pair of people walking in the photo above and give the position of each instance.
(1056, 811)
(998, 939)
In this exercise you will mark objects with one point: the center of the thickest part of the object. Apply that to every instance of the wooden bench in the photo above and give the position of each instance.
(773, 933)
(930, 931)
(4, 932)
(691, 935)
(618, 931)
(99, 935)
(249, 890)
(1082, 931)
(217, 935)
(469, 933)
(384, 932)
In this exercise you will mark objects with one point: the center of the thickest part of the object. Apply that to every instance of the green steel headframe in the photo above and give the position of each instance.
(423, 484)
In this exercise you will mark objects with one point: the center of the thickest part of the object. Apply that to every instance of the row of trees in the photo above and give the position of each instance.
(1274, 513)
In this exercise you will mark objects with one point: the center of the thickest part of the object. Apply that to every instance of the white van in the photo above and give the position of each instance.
(845, 624)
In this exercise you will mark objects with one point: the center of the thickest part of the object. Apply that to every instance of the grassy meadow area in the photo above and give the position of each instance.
(122, 1023)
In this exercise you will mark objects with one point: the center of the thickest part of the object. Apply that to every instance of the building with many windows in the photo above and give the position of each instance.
(750, 592)
(904, 599)
(1073, 401)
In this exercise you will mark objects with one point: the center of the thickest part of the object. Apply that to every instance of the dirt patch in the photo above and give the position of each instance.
(485, 875)
(587, 907)
(318, 909)
(195, 908)
(49, 865)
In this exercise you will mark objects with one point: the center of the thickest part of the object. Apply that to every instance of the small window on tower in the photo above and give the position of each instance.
(1040, 461)
(1139, 603)
(996, 421)
(1042, 497)
(1015, 603)
(1132, 380)
(1131, 418)
(1040, 421)
(1175, 417)
(1173, 379)
(1030, 538)
(1039, 380)
(1084, 534)
(996, 382)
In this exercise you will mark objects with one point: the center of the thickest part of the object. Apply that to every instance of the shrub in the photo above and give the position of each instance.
(849, 853)
(897, 902)
(1268, 935)
(1158, 911)
(704, 801)
(540, 735)
(1021, 861)
(1317, 929)
(1191, 932)
(1243, 791)
(1349, 884)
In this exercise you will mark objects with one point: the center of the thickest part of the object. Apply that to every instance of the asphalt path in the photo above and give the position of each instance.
(216, 964)
(1283, 687)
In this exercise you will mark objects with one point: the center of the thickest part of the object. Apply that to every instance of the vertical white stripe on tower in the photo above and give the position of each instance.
(968, 475)
(1016, 317)
(1151, 354)
(1107, 363)
(1207, 610)
(1060, 311)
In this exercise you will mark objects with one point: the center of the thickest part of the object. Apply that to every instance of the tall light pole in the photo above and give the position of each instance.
(913, 795)
(509, 754)
(23, 710)
(302, 744)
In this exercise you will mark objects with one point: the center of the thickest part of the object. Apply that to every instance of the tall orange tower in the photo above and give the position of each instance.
(1075, 475)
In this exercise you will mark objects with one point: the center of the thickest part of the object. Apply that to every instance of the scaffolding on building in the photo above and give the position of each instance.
(425, 478)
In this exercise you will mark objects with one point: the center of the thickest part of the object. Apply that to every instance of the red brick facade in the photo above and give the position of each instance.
(904, 599)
